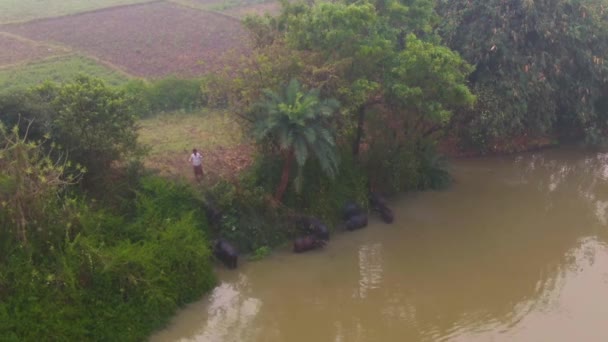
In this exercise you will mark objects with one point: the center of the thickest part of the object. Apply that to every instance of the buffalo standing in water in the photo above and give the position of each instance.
(356, 222)
(307, 243)
(379, 204)
(225, 252)
(314, 226)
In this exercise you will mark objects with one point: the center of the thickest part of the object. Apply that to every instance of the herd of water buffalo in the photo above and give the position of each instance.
(316, 233)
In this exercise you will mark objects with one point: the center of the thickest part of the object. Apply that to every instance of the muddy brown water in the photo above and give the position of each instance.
(515, 250)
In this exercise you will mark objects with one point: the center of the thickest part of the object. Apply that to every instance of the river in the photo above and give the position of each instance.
(515, 250)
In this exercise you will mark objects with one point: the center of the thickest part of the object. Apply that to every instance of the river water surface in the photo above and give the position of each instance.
(515, 250)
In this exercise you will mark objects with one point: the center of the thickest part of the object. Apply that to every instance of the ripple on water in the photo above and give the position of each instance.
(514, 252)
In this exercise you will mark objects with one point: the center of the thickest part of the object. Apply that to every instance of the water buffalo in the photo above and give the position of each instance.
(357, 222)
(376, 200)
(225, 252)
(306, 243)
(314, 226)
(351, 209)
(379, 204)
(387, 215)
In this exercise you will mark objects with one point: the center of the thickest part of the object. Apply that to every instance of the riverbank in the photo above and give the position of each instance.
(441, 271)
(453, 147)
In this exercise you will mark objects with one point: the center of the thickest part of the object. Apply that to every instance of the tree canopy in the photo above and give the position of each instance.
(539, 64)
(370, 54)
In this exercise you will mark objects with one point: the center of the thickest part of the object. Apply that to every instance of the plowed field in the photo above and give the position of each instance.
(147, 40)
(14, 50)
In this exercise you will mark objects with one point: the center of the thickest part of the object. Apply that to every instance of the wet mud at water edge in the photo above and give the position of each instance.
(515, 250)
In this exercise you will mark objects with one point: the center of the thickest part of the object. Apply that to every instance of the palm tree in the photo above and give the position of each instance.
(296, 121)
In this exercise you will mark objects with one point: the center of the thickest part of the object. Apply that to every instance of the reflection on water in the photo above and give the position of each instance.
(370, 268)
(514, 251)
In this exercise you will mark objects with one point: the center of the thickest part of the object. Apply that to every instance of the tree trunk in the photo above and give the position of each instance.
(359, 136)
(284, 176)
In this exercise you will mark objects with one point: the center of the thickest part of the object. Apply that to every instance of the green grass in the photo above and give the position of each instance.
(171, 137)
(58, 69)
(24, 10)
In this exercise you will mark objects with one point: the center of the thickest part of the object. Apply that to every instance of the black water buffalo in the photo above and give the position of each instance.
(356, 222)
(306, 243)
(225, 252)
(377, 201)
(387, 215)
(379, 204)
(314, 226)
(351, 209)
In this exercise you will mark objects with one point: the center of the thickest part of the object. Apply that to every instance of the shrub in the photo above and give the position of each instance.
(168, 94)
(248, 220)
(108, 277)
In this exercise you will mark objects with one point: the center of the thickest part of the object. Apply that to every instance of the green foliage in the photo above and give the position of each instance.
(29, 184)
(433, 169)
(167, 94)
(484, 123)
(168, 200)
(248, 220)
(296, 121)
(29, 111)
(107, 277)
(436, 80)
(540, 62)
(324, 197)
(260, 253)
(94, 123)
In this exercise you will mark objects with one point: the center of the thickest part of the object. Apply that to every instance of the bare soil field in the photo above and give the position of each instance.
(149, 40)
(272, 8)
(18, 51)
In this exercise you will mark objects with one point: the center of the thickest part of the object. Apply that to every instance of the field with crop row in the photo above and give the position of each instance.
(149, 40)
(15, 50)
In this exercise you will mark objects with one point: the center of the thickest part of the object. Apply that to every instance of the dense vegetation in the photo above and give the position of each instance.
(340, 98)
(539, 66)
(134, 255)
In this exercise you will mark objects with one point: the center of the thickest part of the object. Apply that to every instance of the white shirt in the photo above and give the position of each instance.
(196, 159)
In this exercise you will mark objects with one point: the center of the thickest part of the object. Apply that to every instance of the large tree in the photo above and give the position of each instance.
(369, 54)
(539, 64)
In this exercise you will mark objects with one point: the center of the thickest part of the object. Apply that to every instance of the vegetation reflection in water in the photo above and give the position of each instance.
(514, 251)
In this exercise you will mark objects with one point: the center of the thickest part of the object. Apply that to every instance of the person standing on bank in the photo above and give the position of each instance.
(196, 158)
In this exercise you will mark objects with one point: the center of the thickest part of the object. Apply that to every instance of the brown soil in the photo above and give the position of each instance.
(14, 50)
(149, 40)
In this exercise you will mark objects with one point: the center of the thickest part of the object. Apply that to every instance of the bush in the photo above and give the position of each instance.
(248, 220)
(325, 198)
(168, 94)
(408, 167)
(109, 278)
